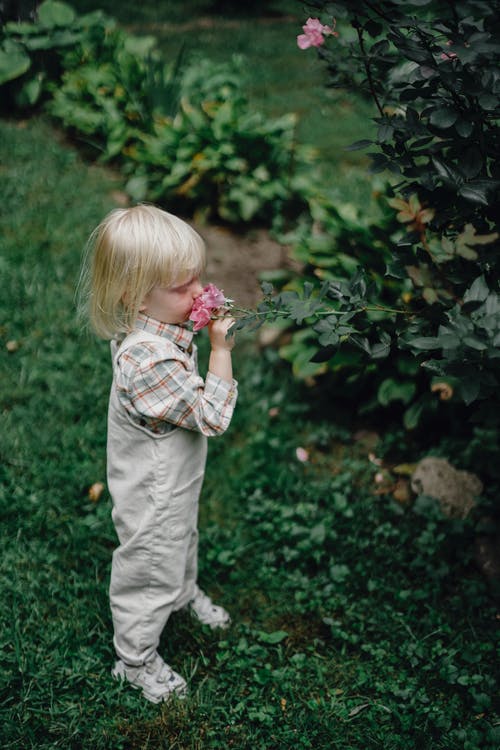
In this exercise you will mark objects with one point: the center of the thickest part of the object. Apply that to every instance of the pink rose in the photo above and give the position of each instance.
(302, 454)
(210, 299)
(201, 317)
(314, 33)
(448, 55)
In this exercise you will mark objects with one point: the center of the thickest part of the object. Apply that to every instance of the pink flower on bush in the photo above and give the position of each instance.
(314, 33)
(302, 454)
(210, 299)
(448, 55)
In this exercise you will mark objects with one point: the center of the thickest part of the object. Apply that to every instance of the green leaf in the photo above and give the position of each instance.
(30, 92)
(385, 133)
(137, 187)
(13, 62)
(478, 291)
(380, 351)
(276, 637)
(53, 13)
(339, 573)
(469, 388)
(448, 174)
(425, 343)
(301, 309)
(412, 415)
(476, 344)
(488, 102)
(471, 162)
(393, 390)
(476, 192)
(464, 128)
(358, 145)
(443, 117)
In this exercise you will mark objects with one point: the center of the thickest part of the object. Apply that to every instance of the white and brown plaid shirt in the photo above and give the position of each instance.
(159, 385)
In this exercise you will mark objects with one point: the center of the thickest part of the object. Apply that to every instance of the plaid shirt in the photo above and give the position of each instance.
(160, 387)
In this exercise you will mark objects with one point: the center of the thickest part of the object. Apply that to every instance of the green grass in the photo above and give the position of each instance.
(358, 622)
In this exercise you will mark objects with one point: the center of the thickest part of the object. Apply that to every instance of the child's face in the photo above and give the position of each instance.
(172, 304)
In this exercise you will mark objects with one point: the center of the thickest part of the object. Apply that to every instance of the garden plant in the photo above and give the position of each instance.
(360, 618)
(429, 289)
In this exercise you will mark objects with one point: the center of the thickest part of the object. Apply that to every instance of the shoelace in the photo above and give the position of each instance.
(164, 673)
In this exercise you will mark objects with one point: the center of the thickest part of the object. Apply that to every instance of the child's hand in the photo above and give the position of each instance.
(218, 330)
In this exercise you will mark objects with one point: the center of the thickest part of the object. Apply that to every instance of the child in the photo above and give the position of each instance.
(144, 278)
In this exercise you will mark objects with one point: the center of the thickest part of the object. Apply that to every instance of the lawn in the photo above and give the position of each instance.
(358, 622)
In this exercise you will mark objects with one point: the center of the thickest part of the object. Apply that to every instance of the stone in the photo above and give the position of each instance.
(456, 490)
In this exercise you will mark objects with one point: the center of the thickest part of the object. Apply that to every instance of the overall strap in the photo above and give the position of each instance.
(136, 337)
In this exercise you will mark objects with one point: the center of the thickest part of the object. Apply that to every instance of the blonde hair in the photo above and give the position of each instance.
(130, 252)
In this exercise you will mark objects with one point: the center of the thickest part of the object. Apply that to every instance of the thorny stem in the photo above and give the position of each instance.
(318, 313)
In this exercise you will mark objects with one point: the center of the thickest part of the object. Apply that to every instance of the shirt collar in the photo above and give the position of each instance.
(179, 335)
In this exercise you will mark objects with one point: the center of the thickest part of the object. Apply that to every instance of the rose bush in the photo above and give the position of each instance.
(431, 69)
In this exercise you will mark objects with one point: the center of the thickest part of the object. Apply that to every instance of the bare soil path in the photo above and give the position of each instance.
(235, 260)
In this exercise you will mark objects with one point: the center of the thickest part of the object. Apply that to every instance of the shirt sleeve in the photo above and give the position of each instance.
(170, 389)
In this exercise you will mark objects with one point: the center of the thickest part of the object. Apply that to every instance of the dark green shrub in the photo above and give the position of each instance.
(216, 155)
(432, 71)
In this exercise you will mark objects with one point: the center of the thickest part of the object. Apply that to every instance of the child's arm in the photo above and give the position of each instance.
(220, 363)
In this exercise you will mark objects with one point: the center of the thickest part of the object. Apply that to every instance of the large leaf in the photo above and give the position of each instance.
(477, 191)
(54, 13)
(394, 390)
(13, 62)
(443, 117)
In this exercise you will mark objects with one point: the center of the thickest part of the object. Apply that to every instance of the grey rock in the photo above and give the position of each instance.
(456, 490)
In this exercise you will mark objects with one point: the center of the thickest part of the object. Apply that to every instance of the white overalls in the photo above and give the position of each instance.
(155, 482)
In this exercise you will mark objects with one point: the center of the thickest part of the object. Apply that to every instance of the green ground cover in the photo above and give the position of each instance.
(358, 622)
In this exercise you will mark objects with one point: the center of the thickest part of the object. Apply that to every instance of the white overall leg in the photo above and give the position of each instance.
(154, 573)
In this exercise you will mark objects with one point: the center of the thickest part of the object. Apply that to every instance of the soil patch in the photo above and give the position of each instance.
(234, 261)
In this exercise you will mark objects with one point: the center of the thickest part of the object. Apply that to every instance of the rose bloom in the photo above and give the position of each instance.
(314, 33)
(212, 297)
(209, 300)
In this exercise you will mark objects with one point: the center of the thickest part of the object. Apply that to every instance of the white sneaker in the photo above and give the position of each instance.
(156, 679)
(207, 612)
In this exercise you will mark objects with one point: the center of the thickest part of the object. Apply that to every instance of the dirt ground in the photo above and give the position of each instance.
(234, 261)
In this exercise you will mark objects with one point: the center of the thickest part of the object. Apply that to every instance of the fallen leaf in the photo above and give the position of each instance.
(357, 709)
(404, 469)
(445, 390)
(95, 491)
(402, 492)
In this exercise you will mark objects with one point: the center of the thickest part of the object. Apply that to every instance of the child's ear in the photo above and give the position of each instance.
(125, 300)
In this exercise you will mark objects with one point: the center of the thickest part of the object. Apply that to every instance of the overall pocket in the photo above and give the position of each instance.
(182, 509)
